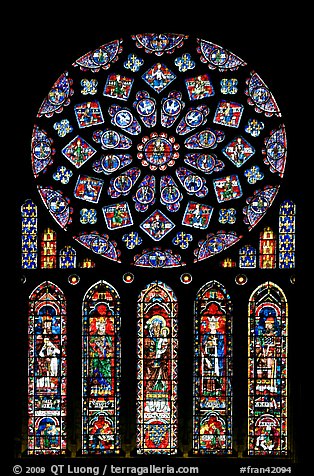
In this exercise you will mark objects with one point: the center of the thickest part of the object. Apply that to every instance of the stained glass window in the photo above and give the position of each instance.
(157, 158)
(101, 370)
(287, 235)
(267, 248)
(47, 371)
(247, 257)
(29, 235)
(157, 421)
(48, 249)
(212, 389)
(267, 379)
(67, 258)
(159, 147)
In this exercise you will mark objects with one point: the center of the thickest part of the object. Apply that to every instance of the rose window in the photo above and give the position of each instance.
(173, 144)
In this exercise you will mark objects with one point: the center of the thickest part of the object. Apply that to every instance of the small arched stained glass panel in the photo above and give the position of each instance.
(67, 258)
(247, 257)
(267, 383)
(47, 374)
(212, 389)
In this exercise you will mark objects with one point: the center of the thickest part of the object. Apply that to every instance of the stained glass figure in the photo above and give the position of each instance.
(58, 205)
(109, 163)
(286, 244)
(157, 420)
(260, 96)
(227, 188)
(199, 87)
(217, 57)
(212, 376)
(157, 225)
(158, 109)
(122, 184)
(42, 151)
(206, 163)
(159, 76)
(100, 244)
(197, 215)
(238, 151)
(267, 248)
(118, 86)
(159, 43)
(215, 243)
(78, 151)
(228, 113)
(276, 150)
(157, 258)
(29, 247)
(48, 249)
(258, 204)
(58, 96)
(267, 383)
(158, 151)
(88, 188)
(122, 117)
(88, 114)
(145, 194)
(100, 58)
(101, 370)
(47, 371)
(170, 195)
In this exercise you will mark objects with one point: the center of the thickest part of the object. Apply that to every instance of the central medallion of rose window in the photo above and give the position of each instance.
(158, 151)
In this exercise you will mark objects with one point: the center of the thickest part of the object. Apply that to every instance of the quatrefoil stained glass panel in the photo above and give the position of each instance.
(172, 144)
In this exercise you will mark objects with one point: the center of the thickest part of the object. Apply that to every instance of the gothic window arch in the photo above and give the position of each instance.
(267, 383)
(212, 389)
(47, 370)
(157, 420)
(101, 368)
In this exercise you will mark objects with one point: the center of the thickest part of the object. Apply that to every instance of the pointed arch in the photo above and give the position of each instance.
(157, 424)
(47, 364)
(101, 370)
(267, 377)
(212, 378)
